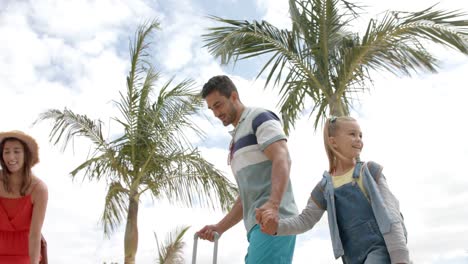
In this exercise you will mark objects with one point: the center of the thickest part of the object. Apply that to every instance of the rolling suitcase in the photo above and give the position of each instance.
(215, 250)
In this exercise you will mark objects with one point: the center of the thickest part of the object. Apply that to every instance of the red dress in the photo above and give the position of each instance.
(15, 221)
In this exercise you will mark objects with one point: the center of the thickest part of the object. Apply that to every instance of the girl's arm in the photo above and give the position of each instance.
(39, 199)
(303, 222)
(395, 239)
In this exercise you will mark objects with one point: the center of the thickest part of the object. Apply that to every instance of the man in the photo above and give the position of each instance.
(259, 158)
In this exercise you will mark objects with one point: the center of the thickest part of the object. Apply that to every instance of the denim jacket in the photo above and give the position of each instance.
(383, 217)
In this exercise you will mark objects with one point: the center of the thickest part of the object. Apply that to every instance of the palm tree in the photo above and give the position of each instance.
(152, 152)
(171, 251)
(322, 60)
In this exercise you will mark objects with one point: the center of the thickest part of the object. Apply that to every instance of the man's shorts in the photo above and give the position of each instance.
(266, 249)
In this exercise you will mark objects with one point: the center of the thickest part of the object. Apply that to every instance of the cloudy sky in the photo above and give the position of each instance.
(74, 54)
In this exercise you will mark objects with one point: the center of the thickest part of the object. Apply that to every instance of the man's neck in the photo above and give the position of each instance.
(240, 111)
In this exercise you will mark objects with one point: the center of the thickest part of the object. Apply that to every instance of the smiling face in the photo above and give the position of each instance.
(348, 139)
(223, 107)
(13, 155)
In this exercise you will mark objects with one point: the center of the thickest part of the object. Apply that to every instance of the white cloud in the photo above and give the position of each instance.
(178, 36)
(18, 57)
(276, 12)
(86, 19)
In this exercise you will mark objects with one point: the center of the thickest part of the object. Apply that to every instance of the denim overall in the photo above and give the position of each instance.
(362, 241)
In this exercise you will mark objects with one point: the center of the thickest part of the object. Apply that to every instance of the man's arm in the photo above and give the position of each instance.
(278, 153)
(232, 218)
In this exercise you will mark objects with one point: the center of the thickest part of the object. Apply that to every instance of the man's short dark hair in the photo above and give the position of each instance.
(220, 83)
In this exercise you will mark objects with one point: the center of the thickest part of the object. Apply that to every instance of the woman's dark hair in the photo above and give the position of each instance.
(26, 170)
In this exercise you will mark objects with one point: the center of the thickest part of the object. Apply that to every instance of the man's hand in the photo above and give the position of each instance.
(268, 220)
(270, 210)
(207, 232)
(267, 217)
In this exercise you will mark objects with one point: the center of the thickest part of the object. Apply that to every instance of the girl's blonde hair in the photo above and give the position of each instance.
(332, 125)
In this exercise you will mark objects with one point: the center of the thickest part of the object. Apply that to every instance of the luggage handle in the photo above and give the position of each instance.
(215, 250)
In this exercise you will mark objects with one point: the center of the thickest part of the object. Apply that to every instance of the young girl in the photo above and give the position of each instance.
(363, 215)
(23, 200)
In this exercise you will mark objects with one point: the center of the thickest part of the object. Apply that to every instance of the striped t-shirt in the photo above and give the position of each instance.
(256, 130)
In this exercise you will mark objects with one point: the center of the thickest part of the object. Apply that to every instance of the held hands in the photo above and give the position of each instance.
(207, 232)
(267, 218)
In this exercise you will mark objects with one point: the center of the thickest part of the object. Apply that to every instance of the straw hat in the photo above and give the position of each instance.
(30, 142)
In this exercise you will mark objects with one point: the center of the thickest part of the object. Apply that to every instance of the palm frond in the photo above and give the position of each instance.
(243, 39)
(106, 164)
(171, 251)
(186, 178)
(395, 43)
(139, 54)
(173, 108)
(104, 160)
(67, 124)
(166, 123)
(115, 207)
(140, 81)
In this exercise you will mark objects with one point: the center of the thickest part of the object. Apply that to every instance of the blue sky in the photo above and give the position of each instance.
(74, 54)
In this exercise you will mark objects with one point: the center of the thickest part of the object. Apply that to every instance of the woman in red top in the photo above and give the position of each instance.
(23, 200)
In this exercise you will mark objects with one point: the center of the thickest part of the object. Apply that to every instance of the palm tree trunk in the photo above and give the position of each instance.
(336, 106)
(131, 231)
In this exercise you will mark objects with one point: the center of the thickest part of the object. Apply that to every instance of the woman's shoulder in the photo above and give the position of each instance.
(38, 187)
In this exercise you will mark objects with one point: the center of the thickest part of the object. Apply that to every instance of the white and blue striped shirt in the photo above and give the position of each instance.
(256, 130)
